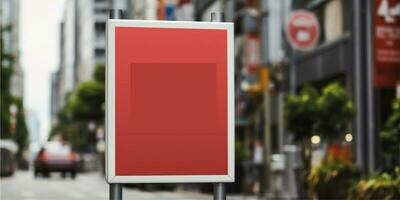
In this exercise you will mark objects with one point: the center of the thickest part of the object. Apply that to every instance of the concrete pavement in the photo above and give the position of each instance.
(88, 186)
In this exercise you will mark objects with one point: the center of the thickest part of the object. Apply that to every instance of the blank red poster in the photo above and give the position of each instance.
(170, 101)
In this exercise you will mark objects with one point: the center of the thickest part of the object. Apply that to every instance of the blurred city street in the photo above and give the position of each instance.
(23, 186)
(267, 99)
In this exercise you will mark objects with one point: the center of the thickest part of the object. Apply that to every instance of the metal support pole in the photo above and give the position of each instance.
(219, 191)
(116, 189)
(219, 188)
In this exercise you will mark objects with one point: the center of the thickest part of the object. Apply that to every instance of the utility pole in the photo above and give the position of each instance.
(363, 90)
(371, 125)
(267, 97)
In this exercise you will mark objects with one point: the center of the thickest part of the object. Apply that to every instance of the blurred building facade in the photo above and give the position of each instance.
(343, 54)
(10, 18)
(91, 43)
(64, 80)
(55, 98)
(82, 47)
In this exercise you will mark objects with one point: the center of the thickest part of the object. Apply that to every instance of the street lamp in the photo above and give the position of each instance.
(315, 139)
(348, 137)
(91, 126)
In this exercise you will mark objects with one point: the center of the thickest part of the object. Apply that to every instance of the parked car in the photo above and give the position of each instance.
(56, 157)
(8, 163)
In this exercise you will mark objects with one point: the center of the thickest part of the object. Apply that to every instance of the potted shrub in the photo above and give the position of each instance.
(332, 178)
(383, 186)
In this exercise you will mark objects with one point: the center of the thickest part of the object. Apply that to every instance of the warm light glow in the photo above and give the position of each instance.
(315, 139)
(348, 137)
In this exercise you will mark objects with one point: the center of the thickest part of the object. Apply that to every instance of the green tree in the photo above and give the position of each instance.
(390, 138)
(20, 136)
(326, 114)
(85, 104)
(6, 62)
(87, 101)
(301, 112)
(335, 111)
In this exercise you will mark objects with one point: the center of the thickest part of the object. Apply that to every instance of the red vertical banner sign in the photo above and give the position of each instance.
(252, 52)
(386, 43)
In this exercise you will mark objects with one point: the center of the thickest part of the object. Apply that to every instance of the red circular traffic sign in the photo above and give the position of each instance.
(302, 30)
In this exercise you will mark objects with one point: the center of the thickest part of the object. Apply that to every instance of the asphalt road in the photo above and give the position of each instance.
(88, 186)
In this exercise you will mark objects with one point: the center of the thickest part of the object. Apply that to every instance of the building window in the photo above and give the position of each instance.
(100, 10)
(100, 27)
(99, 54)
(332, 17)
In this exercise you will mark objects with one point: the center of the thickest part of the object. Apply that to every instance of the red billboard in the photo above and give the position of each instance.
(386, 35)
(169, 101)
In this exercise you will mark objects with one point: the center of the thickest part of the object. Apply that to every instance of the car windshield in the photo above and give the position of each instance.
(57, 148)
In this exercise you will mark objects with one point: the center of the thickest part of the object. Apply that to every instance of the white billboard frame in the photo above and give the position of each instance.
(111, 177)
